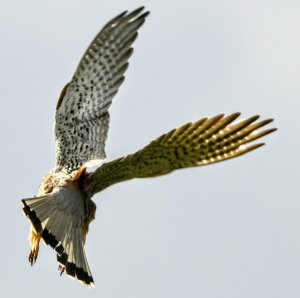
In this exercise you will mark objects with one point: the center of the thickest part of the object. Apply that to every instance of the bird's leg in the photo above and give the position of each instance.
(34, 241)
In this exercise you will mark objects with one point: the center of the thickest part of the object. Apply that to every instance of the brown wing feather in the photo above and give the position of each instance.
(206, 141)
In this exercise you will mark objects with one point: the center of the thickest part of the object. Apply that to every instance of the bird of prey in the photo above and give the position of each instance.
(61, 212)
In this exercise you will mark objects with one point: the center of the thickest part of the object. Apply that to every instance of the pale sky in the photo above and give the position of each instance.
(229, 230)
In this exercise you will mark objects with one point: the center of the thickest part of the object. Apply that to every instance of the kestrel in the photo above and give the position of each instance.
(61, 212)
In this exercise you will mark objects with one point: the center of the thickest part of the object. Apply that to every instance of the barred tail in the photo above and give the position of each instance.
(58, 218)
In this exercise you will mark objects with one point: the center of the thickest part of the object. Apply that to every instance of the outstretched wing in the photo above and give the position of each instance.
(82, 119)
(206, 141)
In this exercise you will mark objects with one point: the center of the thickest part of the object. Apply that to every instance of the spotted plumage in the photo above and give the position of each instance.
(82, 118)
(63, 209)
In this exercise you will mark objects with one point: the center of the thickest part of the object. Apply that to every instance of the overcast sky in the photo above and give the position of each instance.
(227, 230)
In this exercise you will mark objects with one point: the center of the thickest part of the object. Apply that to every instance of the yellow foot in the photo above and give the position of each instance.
(34, 241)
(33, 256)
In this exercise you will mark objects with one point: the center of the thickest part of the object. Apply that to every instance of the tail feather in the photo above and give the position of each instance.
(79, 269)
(59, 228)
(41, 206)
(58, 217)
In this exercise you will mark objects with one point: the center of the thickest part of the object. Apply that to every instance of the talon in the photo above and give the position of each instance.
(61, 269)
(30, 258)
(33, 255)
